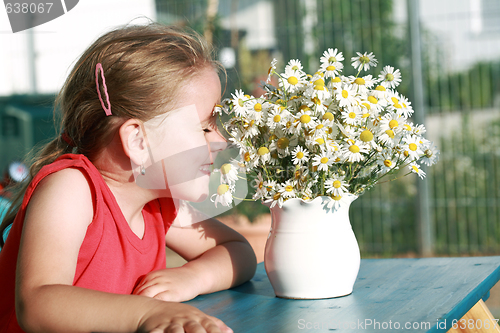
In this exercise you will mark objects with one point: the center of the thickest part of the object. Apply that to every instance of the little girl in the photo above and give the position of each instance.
(86, 251)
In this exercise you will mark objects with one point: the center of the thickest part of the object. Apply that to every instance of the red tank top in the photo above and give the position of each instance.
(112, 258)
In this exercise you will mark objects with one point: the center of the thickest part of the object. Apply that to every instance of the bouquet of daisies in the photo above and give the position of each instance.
(323, 134)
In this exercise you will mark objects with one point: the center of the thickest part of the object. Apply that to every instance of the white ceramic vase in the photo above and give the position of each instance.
(311, 251)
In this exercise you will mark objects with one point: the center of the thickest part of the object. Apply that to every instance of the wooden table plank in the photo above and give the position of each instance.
(427, 294)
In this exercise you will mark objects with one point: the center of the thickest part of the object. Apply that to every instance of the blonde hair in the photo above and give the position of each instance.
(144, 67)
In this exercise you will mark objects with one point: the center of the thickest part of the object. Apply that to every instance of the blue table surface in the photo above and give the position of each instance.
(390, 295)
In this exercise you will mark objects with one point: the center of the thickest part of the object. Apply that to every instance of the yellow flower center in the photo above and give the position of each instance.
(360, 81)
(277, 118)
(332, 59)
(320, 126)
(288, 124)
(293, 80)
(289, 188)
(372, 99)
(223, 188)
(366, 105)
(262, 151)
(328, 115)
(389, 77)
(316, 101)
(304, 119)
(415, 168)
(241, 102)
(324, 160)
(257, 107)
(354, 149)
(277, 196)
(330, 68)
(319, 82)
(337, 184)
(247, 157)
(364, 59)
(390, 134)
(295, 68)
(283, 143)
(393, 124)
(273, 137)
(352, 115)
(366, 136)
(394, 100)
(345, 93)
(428, 153)
(407, 127)
(225, 168)
(336, 197)
(320, 141)
(365, 115)
(299, 155)
(388, 163)
(412, 146)
(319, 87)
(260, 185)
(336, 80)
(380, 88)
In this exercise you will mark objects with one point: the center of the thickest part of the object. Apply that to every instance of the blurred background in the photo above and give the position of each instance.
(448, 52)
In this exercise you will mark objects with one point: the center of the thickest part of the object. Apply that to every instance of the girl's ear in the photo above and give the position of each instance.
(134, 142)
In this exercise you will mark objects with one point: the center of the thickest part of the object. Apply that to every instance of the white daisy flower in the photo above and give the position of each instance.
(323, 160)
(380, 92)
(228, 173)
(336, 185)
(263, 155)
(412, 147)
(352, 115)
(334, 202)
(332, 70)
(353, 151)
(258, 185)
(271, 69)
(331, 56)
(277, 117)
(362, 84)
(292, 81)
(431, 154)
(223, 195)
(293, 65)
(346, 96)
(284, 143)
(256, 108)
(415, 168)
(300, 155)
(393, 122)
(305, 119)
(386, 162)
(287, 189)
(363, 61)
(401, 104)
(389, 77)
(238, 101)
(276, 199)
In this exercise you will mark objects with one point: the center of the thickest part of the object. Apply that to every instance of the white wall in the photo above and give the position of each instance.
(59, 43)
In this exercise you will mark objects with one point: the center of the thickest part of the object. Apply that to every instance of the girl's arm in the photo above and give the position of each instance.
(54, 228)
(218, 258)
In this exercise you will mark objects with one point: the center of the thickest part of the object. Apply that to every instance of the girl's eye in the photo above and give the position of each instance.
(207, 130)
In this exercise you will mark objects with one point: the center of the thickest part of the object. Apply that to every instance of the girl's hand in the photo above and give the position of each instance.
(169, 317)
(171, 284)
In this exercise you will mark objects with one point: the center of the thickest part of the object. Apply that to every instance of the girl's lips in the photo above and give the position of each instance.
(206, 169)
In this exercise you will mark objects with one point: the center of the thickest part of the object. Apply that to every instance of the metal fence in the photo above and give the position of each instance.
(449, 56)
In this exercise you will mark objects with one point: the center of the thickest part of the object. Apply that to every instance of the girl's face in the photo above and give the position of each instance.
(184, 142)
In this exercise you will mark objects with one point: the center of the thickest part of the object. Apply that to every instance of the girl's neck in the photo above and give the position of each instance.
(130, 197)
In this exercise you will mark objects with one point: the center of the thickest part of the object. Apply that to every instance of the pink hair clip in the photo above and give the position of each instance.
(106, 109)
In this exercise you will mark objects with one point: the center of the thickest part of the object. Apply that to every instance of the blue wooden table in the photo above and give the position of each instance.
(390, 295)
